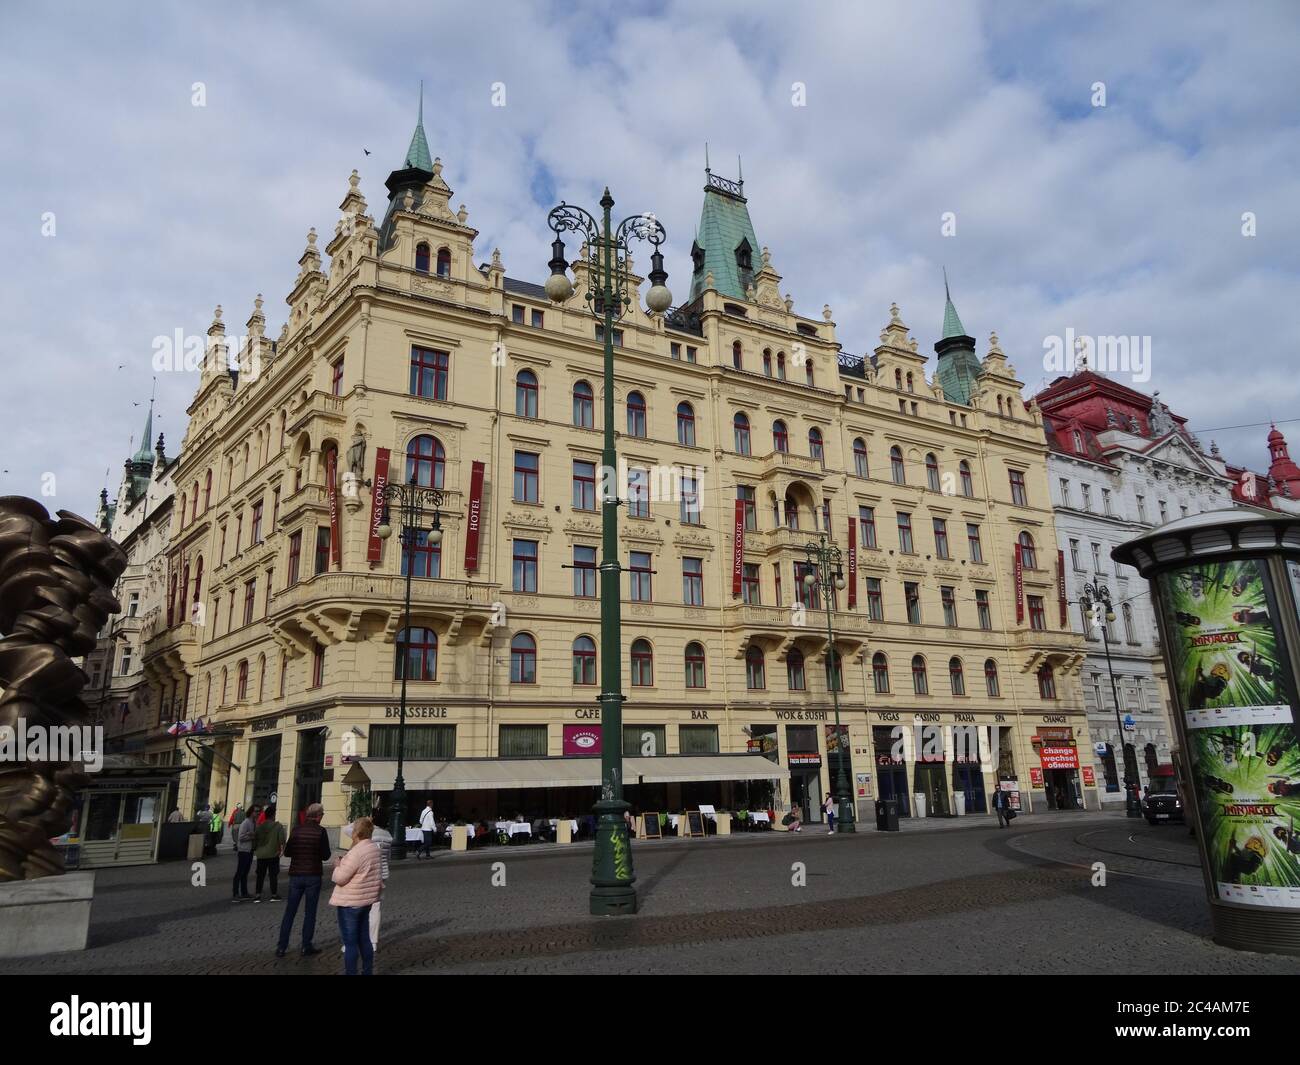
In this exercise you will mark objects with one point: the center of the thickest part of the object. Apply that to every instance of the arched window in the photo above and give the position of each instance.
(932, 471)
(898, 379)
(261, 676)
(636, 421)
(526, 394)
(194, 512)
(815, 449)
(737, 355)
(896, 468)
(780, 437)
(207, 694)
(584, 660)
(755, 669)
(780, 365)
(185, 591)
(685, 424)
(523, 659)
(695, 677)
(791, 512)
(419, 651)
(1078, 441)
(909, 382)
(810, 377)
(207, 490)
(643, 664)
(999, 405)
(991, 678)
(794, 671)
(444, 262)
(956, 677)
(1046, 682)
(183, 499)
(1028, 556)
(740, 426)
(880, 673)
(767, 362)
(920, 683)
(860, 458)
(967, 484)
(241, 683)
(422, 257)
(584, 405)
(225, 676)
(1125, 610)
(425, 462)
(198, 579)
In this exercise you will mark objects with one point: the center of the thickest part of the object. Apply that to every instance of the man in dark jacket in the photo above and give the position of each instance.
(307, 848)
(1000, 807)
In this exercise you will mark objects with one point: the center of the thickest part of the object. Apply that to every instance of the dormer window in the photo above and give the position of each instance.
(744, 255)
(422, 258)
(697, 257)
(1078, 441)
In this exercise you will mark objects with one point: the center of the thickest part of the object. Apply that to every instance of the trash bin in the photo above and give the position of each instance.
(960, 798)
(886, 815)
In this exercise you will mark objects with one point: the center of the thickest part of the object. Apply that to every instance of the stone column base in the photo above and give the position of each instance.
(49, 915)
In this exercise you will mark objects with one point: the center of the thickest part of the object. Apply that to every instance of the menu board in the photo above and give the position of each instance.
(1232, 688)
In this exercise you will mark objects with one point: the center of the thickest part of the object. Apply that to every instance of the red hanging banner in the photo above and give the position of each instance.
(1020, 588)
(331, 478)
(1060, 586)
(738, 550)
(853, 564)
(375, 547)
(475, 522)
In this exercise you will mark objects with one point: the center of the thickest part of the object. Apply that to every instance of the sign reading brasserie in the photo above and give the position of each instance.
(416, 711)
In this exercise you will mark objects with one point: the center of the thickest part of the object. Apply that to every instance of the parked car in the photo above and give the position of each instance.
(1162, 806)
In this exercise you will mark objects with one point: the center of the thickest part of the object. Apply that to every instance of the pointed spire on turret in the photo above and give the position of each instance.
(417, 155)
(959, 367)
(952, 326)
(725, 244)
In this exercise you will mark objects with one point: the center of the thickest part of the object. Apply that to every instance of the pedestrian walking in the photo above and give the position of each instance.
(383, 839)
(215, 828)
(828, 808)
(308, 847)
(268, 845)
(358, 884)
(428, 826)
(174, 818)
(1000, 807)
(245, 840)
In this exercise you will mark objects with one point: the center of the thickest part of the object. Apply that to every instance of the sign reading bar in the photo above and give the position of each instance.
(738, 550)
(375, 546)
(853, 564)
(475, 518)
(1020, 587)
(331, 475)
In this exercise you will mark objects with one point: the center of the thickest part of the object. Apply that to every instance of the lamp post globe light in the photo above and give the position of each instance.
(1097, 596)
(825, 572)
(413, 503)
(605, 249)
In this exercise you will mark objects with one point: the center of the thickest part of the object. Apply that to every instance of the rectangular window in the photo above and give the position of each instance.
(973, 545)
(750, 593)
(524, 571)
(690, 353)
(423, 558)
(697, 739)
(522, 741)
(419, 741)
(867, 526)
(809, 596)
(517, 313)
(983, 610)
(746, 494)
(1065, 493)
(1087, 497)
(1037, 615)
(1074, 555)
(875, 600)
(639, 574)
(776, 581)
(266, 602)
(645, 741)
(638, 492)
(941, 538)
(275, 509)
(322, 548)
(912, 594)
(255, 532)
(690, 504)
(1018, 494)
(1096, 558)
(584, 485)
(1105, 501)
(537, 318)
(584, 572)
(527, 466)
(336, 378)
(905, 533)
(618, 335)
(1142, 508)
(948, 597)
(133, 605)
(675, 351)
(693, 581)
(239, 532)
(429, 373)
(318, 666)
(250, 597)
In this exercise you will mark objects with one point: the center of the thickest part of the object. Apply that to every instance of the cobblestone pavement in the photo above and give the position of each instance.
(951, 896)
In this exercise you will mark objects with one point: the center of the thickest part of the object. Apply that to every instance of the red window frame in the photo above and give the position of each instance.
(417, 653)
(643, 664)
(429, 368)
(584, 661)
(523, 659)
(426, 461)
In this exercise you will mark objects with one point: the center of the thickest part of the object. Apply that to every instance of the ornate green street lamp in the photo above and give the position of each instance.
(1096, 595)
(825, 572)
(605, 249)
(411, 500)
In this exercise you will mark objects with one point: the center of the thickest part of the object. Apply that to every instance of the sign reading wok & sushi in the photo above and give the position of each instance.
(1226, 587)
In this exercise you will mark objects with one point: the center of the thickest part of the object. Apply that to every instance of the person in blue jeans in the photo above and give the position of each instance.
(307, 849)
(358, 885)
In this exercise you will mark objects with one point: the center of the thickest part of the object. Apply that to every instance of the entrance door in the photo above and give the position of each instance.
(1060, 789)
(967, 779)
(893, 785)
(309, 771)
(806, 794)
(931, 782)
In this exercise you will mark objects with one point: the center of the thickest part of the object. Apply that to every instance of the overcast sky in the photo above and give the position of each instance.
(1125, 219)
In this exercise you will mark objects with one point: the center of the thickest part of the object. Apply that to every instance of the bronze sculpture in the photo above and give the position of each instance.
(56, 592)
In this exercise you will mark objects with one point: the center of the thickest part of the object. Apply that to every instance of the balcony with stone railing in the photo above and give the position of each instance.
(383, 589)
(784, 463)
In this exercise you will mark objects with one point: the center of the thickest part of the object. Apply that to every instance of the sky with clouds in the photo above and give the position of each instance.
(1117, 220)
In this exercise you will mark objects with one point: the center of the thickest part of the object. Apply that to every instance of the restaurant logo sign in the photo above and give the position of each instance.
(581, 739)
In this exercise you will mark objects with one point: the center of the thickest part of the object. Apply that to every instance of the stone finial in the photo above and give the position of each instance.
(161, 450)
(311, 238)
(708, 279)
(217, 326)
(354, 181)
(894, 318)
(1214, 448)
(995, 346)
(257, 304)
(437, 167)
(462, 214)
(496, 259)
(826, 312)
(767, 257)
(789, 303)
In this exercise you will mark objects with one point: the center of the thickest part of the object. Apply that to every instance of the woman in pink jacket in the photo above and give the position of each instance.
(358, 885)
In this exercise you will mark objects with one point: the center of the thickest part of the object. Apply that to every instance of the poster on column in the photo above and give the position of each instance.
(1233, 692)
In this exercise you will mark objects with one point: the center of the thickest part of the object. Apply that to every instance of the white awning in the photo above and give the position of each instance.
(465, 774)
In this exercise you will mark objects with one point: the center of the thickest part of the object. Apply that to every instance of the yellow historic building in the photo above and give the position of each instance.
(406, 358)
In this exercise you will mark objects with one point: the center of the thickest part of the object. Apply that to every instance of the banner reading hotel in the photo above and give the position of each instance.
(853, 564)
(1060, 587)
(1020, 587)
(331, 477)
(738, 550)
(475, 517)
(375, 546)
(1231, 684)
